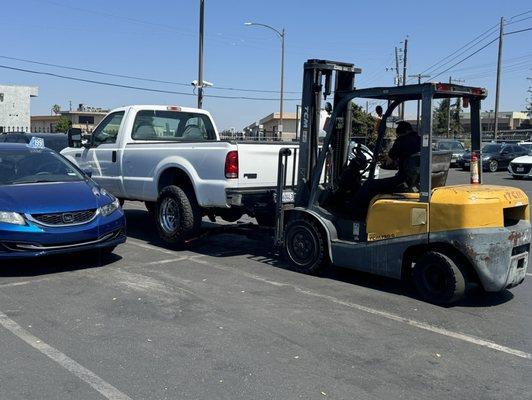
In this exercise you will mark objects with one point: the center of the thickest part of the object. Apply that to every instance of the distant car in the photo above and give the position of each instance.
(521, 167)
(49, 206)
(456, 148)
(53, 141)
(495, 156)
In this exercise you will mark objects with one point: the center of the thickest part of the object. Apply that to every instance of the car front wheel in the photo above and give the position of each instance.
(493, 166)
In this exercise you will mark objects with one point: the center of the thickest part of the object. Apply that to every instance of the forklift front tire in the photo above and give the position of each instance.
(304, 246)
(438, 279)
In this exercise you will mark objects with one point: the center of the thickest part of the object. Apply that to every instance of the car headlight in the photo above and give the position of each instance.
(14, 218)
(110, 208)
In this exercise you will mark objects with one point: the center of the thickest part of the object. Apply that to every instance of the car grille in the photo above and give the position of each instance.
(66, 218)
(525, 170)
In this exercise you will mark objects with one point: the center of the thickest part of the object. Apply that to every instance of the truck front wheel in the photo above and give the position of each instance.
(178, 216)
(438, 279)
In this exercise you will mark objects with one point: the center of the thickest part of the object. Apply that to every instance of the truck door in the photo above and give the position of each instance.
(104, 154)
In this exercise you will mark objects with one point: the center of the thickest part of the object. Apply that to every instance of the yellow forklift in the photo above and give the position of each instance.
(440, 237)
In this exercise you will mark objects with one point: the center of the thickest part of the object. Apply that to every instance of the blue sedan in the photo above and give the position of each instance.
(48, 206)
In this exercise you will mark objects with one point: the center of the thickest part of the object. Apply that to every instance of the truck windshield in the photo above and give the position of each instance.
(172, 126)
(35, 166)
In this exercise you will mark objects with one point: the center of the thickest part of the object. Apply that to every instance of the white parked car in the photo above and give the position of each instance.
(521, 167)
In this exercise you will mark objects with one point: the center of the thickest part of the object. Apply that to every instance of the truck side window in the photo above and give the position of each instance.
(107, 131)
(165, 125)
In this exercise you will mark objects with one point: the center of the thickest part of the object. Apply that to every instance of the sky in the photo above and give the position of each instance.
(158, 40)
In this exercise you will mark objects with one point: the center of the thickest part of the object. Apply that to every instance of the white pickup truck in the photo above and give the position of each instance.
(172, 159)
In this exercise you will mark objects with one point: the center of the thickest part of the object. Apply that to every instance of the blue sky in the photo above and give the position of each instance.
(158, 40)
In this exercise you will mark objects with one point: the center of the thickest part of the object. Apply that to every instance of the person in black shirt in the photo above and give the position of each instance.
(407, 144)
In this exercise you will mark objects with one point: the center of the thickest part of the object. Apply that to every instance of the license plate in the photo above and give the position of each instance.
(466, 164)
(520, 169)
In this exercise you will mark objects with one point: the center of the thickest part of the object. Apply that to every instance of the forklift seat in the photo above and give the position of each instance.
(441, 162)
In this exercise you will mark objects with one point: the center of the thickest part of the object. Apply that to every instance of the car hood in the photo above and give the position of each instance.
(39, 198)
(522, 160)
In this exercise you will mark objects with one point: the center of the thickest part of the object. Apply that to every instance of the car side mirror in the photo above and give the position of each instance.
(74, 137)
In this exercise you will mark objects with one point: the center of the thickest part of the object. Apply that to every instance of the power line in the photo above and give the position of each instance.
(466, 58)
(72, 78)
(464, 46)
(520, 30)
(92, 71)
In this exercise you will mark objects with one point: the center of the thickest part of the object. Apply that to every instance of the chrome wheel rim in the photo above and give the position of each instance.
(169, 215)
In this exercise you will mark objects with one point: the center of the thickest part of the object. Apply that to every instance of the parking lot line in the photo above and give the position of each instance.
(528, 274)
(384, 314)
(21, 283)
(149, 246)
(105, 389)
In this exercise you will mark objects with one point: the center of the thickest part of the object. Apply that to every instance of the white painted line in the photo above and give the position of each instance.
(105, 389)
(528, 274)
(171, 260)
(21, 283)
(149, 246)
(421, 325)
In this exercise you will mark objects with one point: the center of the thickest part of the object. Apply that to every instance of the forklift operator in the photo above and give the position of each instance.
(407, 144)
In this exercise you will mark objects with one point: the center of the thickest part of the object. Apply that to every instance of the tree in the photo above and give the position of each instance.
(62, 125)
(439, 126)
(362, 124)
(456, 126)
(56, 109)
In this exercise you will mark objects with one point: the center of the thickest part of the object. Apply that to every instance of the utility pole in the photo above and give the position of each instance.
(200, 55)
(405, 54)
(419, 77)
(498, 87)
(451, 81)
(397, 75)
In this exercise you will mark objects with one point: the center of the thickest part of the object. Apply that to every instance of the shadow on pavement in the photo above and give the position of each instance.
(55, 264)
(255, 243)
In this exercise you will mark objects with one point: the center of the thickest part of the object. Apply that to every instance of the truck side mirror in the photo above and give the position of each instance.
(74, 137)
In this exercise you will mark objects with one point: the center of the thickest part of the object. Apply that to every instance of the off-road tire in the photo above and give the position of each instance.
(305, 247)
(438, 278)
(187, 216)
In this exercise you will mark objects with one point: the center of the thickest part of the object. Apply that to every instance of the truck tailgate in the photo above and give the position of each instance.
(257, 164)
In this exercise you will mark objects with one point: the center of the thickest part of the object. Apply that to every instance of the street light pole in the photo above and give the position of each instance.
(282, 35)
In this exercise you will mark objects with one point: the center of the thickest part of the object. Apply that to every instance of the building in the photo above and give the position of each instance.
(85, 118)
(508, 120)
(268, 127)
(15, 107)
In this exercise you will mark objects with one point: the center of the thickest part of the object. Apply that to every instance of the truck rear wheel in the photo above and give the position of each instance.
(178, 217)
(304, 246)
(438, 279)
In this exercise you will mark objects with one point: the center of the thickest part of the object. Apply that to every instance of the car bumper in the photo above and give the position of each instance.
(522, 170)
(35, 241)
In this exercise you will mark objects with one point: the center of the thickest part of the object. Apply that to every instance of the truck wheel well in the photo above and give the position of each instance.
(412, 253)
(177, 177)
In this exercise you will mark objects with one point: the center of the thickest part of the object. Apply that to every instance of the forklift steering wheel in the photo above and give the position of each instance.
(362, 154)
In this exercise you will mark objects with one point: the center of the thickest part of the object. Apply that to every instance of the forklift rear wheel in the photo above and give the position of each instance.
(304, 246)
(438, 279)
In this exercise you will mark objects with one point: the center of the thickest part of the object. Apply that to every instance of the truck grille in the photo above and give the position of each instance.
(66, 218)
(521, 168)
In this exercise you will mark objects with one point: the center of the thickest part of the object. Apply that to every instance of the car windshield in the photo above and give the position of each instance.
(450, 146)
(35, 166)
(492, 148)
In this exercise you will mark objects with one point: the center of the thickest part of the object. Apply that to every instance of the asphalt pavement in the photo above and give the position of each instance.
(226, 319)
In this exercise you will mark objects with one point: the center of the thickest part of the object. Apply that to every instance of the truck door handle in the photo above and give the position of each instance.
(77, 155)
(114, 156)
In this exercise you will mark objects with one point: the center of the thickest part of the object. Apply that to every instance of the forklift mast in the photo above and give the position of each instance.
(317, 79)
